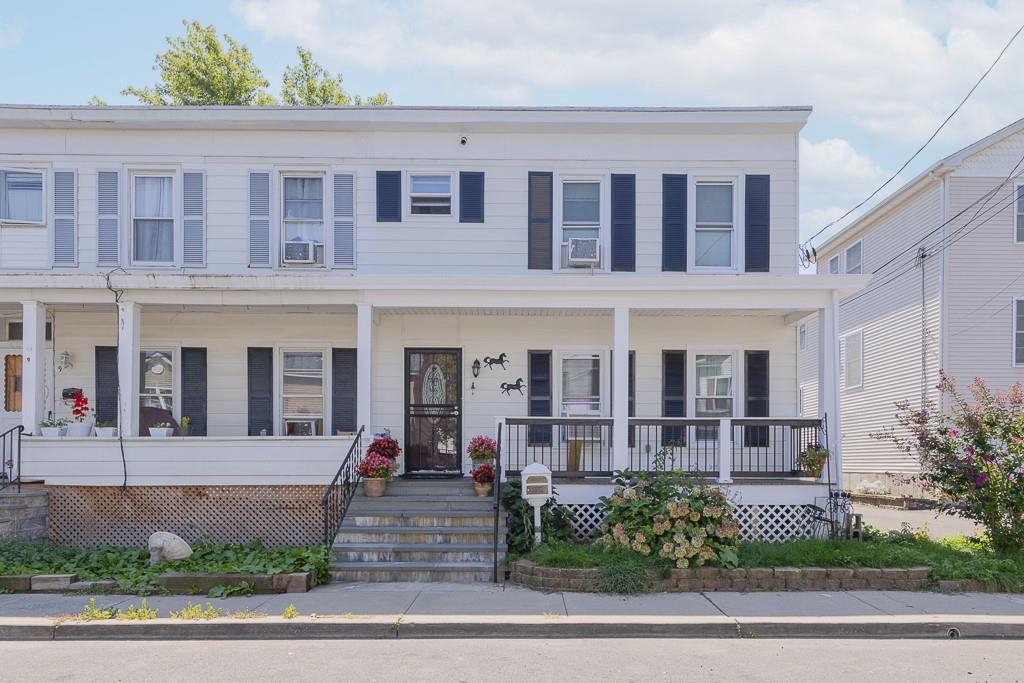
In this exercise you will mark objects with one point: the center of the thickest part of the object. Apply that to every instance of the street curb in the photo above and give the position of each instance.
(514, 626)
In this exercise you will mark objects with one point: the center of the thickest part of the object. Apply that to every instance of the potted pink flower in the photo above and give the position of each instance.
(482, 449)
(376, 470)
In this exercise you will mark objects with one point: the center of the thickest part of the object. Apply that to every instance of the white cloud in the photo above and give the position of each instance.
(889, 67)
(10, 34)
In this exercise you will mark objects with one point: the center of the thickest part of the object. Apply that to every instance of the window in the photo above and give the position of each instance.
(156, 386)
(581, 385)
(430, 195)
(802, 334)
(713, 239)
(303, 219)
(16, 331)
(1018, 331)
(1019, 216)
(302, 393)
(21, 197)
(12, 383)
(714, 385)
(853, 258)
(800, 397)
(833, 265)
(153, 218)
(853, 360)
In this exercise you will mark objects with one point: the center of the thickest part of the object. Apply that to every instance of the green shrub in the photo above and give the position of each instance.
(555, 520)
(621, 570)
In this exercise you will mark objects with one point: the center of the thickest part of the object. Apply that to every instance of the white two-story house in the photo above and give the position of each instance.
(608, 288)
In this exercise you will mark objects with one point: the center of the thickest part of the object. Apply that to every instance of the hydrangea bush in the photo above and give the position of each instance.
(666, 514)
(972, 458)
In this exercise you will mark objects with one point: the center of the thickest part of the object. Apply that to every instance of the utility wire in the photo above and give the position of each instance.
(806, 243)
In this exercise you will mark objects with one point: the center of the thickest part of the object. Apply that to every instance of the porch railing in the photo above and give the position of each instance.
(662, 444)
(339, 492)
(771, 446)
(497, 503)
(10, 458)
(570, 446)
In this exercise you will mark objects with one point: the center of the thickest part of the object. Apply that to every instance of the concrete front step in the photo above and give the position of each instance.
(445, 518)
(429, 535)
(416, 552)
(379, 572)
(423, 502)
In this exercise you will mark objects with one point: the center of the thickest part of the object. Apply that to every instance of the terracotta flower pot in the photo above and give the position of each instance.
(374, 488)
(483, 490)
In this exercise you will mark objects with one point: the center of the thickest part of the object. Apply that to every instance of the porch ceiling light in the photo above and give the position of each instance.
(536, 492)
(65, 361)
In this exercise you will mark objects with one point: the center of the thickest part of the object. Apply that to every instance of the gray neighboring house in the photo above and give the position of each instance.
(959, 309)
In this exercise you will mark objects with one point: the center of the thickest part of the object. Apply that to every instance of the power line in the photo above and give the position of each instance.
(920, 149)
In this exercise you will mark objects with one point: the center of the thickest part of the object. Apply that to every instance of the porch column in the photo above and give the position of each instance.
(33, 349)
(129, 334)
(620, 396)
(364, 367)
(828, 381)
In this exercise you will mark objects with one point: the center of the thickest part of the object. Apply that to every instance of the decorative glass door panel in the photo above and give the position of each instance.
(433, 422)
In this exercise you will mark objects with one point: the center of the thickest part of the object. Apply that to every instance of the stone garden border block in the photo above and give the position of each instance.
(183, 583)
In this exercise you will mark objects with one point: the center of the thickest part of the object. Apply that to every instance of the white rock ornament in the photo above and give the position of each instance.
(165, 546)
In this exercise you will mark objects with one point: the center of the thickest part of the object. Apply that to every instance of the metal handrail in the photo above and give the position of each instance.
(338, 494)
(10, 457)
(497, 501)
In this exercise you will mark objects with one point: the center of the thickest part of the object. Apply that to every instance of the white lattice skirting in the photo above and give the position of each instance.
(771, 523)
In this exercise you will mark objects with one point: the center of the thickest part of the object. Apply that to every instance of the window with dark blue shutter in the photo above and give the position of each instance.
(673, 395)
(538, 384)
(471, 197)
(389, 196)
(541, 214)
(757, 224)
(261, 391)
(193, 389)
(673, 222)
(343, 390)
(756, 399)
(623, 221)
(106, 384)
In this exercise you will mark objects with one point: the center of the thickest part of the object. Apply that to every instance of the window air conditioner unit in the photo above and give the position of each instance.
(299, 252)
(584, 252)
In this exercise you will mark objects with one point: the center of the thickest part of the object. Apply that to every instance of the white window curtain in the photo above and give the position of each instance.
(304, 210)
(154, 218)
(21, 196)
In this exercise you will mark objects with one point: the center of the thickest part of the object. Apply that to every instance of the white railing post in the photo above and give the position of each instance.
(364, 367)
(725, 451)
(33, 382)
(129, 335)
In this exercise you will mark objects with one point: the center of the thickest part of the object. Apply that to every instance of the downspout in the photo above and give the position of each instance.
(943, 299)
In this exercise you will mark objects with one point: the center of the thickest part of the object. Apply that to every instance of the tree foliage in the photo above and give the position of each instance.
(308, 83)
(199, 69)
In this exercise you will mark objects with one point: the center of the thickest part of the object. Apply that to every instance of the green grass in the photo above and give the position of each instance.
(622, 571)
(131, 569)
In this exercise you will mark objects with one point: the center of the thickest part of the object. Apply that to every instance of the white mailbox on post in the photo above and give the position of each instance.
(536, 491)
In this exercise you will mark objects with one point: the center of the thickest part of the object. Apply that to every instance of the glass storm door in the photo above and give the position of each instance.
(433, 412)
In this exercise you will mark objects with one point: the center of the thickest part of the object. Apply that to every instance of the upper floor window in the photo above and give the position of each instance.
(302, 393)
(1018, 331)
(853, 360)
(21, 197)
(153, 218)
(430, 195)
(853, 258)
(1018, 221)
(833, 265)
(581, 223)
(302, 219)
(715, 227)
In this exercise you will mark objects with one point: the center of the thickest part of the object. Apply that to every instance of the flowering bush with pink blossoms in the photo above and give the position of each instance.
(482, 449)
(972, 459)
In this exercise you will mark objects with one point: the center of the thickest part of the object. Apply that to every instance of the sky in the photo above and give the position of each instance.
(880, 74)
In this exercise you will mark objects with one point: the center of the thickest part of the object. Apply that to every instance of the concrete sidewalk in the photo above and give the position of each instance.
(454, 610)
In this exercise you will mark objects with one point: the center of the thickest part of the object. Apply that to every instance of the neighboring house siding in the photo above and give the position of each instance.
(985, 271)
(416, 244)
(807, 370)
(890, 317)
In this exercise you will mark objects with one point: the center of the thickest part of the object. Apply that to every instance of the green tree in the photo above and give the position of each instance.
(199, 69)
(97, 102)
(310, 84)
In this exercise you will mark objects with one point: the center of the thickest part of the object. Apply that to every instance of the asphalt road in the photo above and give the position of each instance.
(793, 661)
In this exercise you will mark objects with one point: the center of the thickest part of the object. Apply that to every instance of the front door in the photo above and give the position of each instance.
(433, 411)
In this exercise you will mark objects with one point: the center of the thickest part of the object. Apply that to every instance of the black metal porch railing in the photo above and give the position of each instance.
(568, 446)
(663, 444)
(770, 446)
(10, 452)
(339, 492)
(496, 489)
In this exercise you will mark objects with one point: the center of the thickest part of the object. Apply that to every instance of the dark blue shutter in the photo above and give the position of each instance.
(193, 388)
(389, 196)
(106, 384)
(343, 390)
(539, 231)
(538, 383)
(756, 374)
(623, 221)
(673, 395)
(471, 197)
(758, 223)
(261, 390)
(673, 222)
